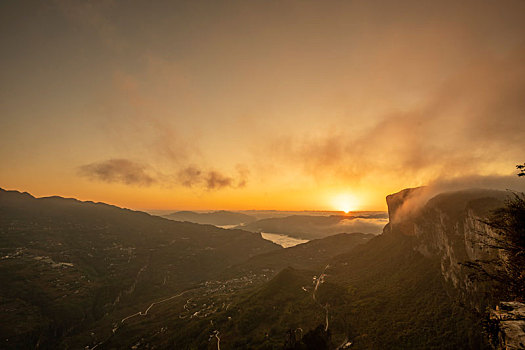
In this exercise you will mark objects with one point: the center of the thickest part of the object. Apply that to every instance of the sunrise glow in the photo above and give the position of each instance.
(345, 202)
(209, 106)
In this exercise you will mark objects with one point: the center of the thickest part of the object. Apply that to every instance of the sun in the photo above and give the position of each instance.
(345, 202)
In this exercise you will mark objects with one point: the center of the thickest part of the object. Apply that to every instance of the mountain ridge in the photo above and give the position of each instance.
(217, 218)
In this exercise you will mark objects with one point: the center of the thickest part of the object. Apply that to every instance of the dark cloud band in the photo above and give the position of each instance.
(118, 171)
(134, 173)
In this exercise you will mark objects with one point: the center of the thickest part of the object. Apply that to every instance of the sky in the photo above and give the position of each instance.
(288, 105)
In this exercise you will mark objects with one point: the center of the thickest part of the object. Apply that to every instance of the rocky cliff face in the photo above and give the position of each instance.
(449, 226)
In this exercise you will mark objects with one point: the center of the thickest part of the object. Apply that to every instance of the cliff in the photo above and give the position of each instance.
(450, 226)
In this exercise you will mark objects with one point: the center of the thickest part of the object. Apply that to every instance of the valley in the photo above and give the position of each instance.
(88, 275)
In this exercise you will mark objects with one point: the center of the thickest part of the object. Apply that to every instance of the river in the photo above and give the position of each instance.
(283, 240)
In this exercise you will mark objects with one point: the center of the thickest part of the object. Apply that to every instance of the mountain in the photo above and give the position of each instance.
(312, 227)
(217, 218)
(189, 322)
(398, 290)
(66, 264)
(382, 294)
(80, 274)
(450, 227)
(311, 255)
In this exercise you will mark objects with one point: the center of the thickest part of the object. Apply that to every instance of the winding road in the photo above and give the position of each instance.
(320, 280)
(143, 313)
(216, 333)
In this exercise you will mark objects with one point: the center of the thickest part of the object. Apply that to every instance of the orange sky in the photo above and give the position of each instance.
(259, 104)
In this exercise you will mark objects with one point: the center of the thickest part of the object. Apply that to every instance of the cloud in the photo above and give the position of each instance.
(368, 225)
(243, 173)
(118, 170)
(189, 176)
(471, 124)
(212, 179)
(133, 173)
(495, 182)
(417, 198)
(146, 107)
(169, 144)
(216, 180)
(374, 97)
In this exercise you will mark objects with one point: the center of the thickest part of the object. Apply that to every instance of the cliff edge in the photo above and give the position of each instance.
(450, 226)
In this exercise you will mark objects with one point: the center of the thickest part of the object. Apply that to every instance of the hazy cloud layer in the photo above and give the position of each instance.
(212, 179)
(315, 98)
(444, 112)
(470, 125)
(133, 173)
(118, 170)
(215, 180)
(374, 226)
(420, 196)
(189, 176)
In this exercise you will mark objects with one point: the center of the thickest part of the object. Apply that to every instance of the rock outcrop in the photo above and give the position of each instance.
(510, 321)
(450, 226)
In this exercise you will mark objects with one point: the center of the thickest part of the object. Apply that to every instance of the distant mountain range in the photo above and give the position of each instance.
(303, 226)
(217, 218)
(89, 275)
(313, 227)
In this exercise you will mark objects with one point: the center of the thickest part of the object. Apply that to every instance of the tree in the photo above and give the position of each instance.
(509, 224)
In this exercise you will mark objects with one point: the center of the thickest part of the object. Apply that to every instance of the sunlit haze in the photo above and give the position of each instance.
(345, 203)
(294, 105)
